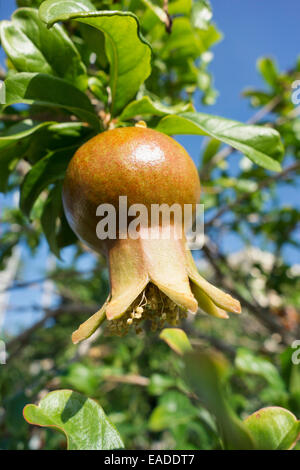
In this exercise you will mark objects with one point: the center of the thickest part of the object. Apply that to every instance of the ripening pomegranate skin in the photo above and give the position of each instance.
(154, 279)
(145, 165)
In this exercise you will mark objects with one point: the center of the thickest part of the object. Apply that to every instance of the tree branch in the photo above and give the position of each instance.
(22, 339)
(262, 314)
(271, 179)
(133, 379)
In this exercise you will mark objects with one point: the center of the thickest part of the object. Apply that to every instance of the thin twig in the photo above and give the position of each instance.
(263, 314)
(168, 21)
(40, 117)
(133, 379)
(22, 339)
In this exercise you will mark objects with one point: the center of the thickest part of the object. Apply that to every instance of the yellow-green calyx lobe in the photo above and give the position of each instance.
(151, 278)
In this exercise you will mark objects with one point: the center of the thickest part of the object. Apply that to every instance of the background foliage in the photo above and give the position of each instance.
(54, 102)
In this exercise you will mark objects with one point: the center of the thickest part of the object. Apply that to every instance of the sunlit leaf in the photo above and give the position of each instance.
(52, 92)
(261, 144)
(146, 106)
(268, 69)
(82, 420)
(176, 339)
(273, 428)
(128, 52)
(32, 47)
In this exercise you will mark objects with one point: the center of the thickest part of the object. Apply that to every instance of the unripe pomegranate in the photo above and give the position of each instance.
(151, 278)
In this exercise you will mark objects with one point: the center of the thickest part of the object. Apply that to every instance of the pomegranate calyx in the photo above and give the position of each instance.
(155, 280)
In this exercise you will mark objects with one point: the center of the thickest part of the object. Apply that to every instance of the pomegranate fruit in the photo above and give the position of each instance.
(150, 278)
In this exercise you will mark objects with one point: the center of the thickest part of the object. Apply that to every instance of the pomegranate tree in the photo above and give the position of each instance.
(150, 278)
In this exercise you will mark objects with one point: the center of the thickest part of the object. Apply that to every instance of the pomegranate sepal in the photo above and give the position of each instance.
(128, 275)
(87, 328)
(220, 299)
(165, 262)
(206, 304)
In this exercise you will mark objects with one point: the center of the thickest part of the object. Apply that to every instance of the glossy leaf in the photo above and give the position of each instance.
(261, 144)
(176, 339)
(48, 170)
(145, 107)
(81, 419)
(128, 52)
(46, 90)
(53, 8)
(32, 47)
(273, 428)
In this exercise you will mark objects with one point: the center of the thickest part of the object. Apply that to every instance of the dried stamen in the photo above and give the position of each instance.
(152, 305)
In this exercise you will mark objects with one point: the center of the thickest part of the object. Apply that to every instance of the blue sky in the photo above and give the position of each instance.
(251, 28)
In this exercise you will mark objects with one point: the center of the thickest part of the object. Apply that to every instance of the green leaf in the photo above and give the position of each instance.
(14, 143)
(46, 90)
(94, 41)
(53, 8)
(160, 383)
(81, 419)
(46, 171)
(158, 11)
(268, 69)
(176, 339)
(178, 7)
(20, 131)
(212, 147)
(128, 52)
(65, 236)
(9, 157)
(174, 408)
(32, 47)
(273, 428)
(250, 363)
(51, 212)
(145, 106)
(183, 42)
(201, 14)
(261, 144)
(204, 373)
